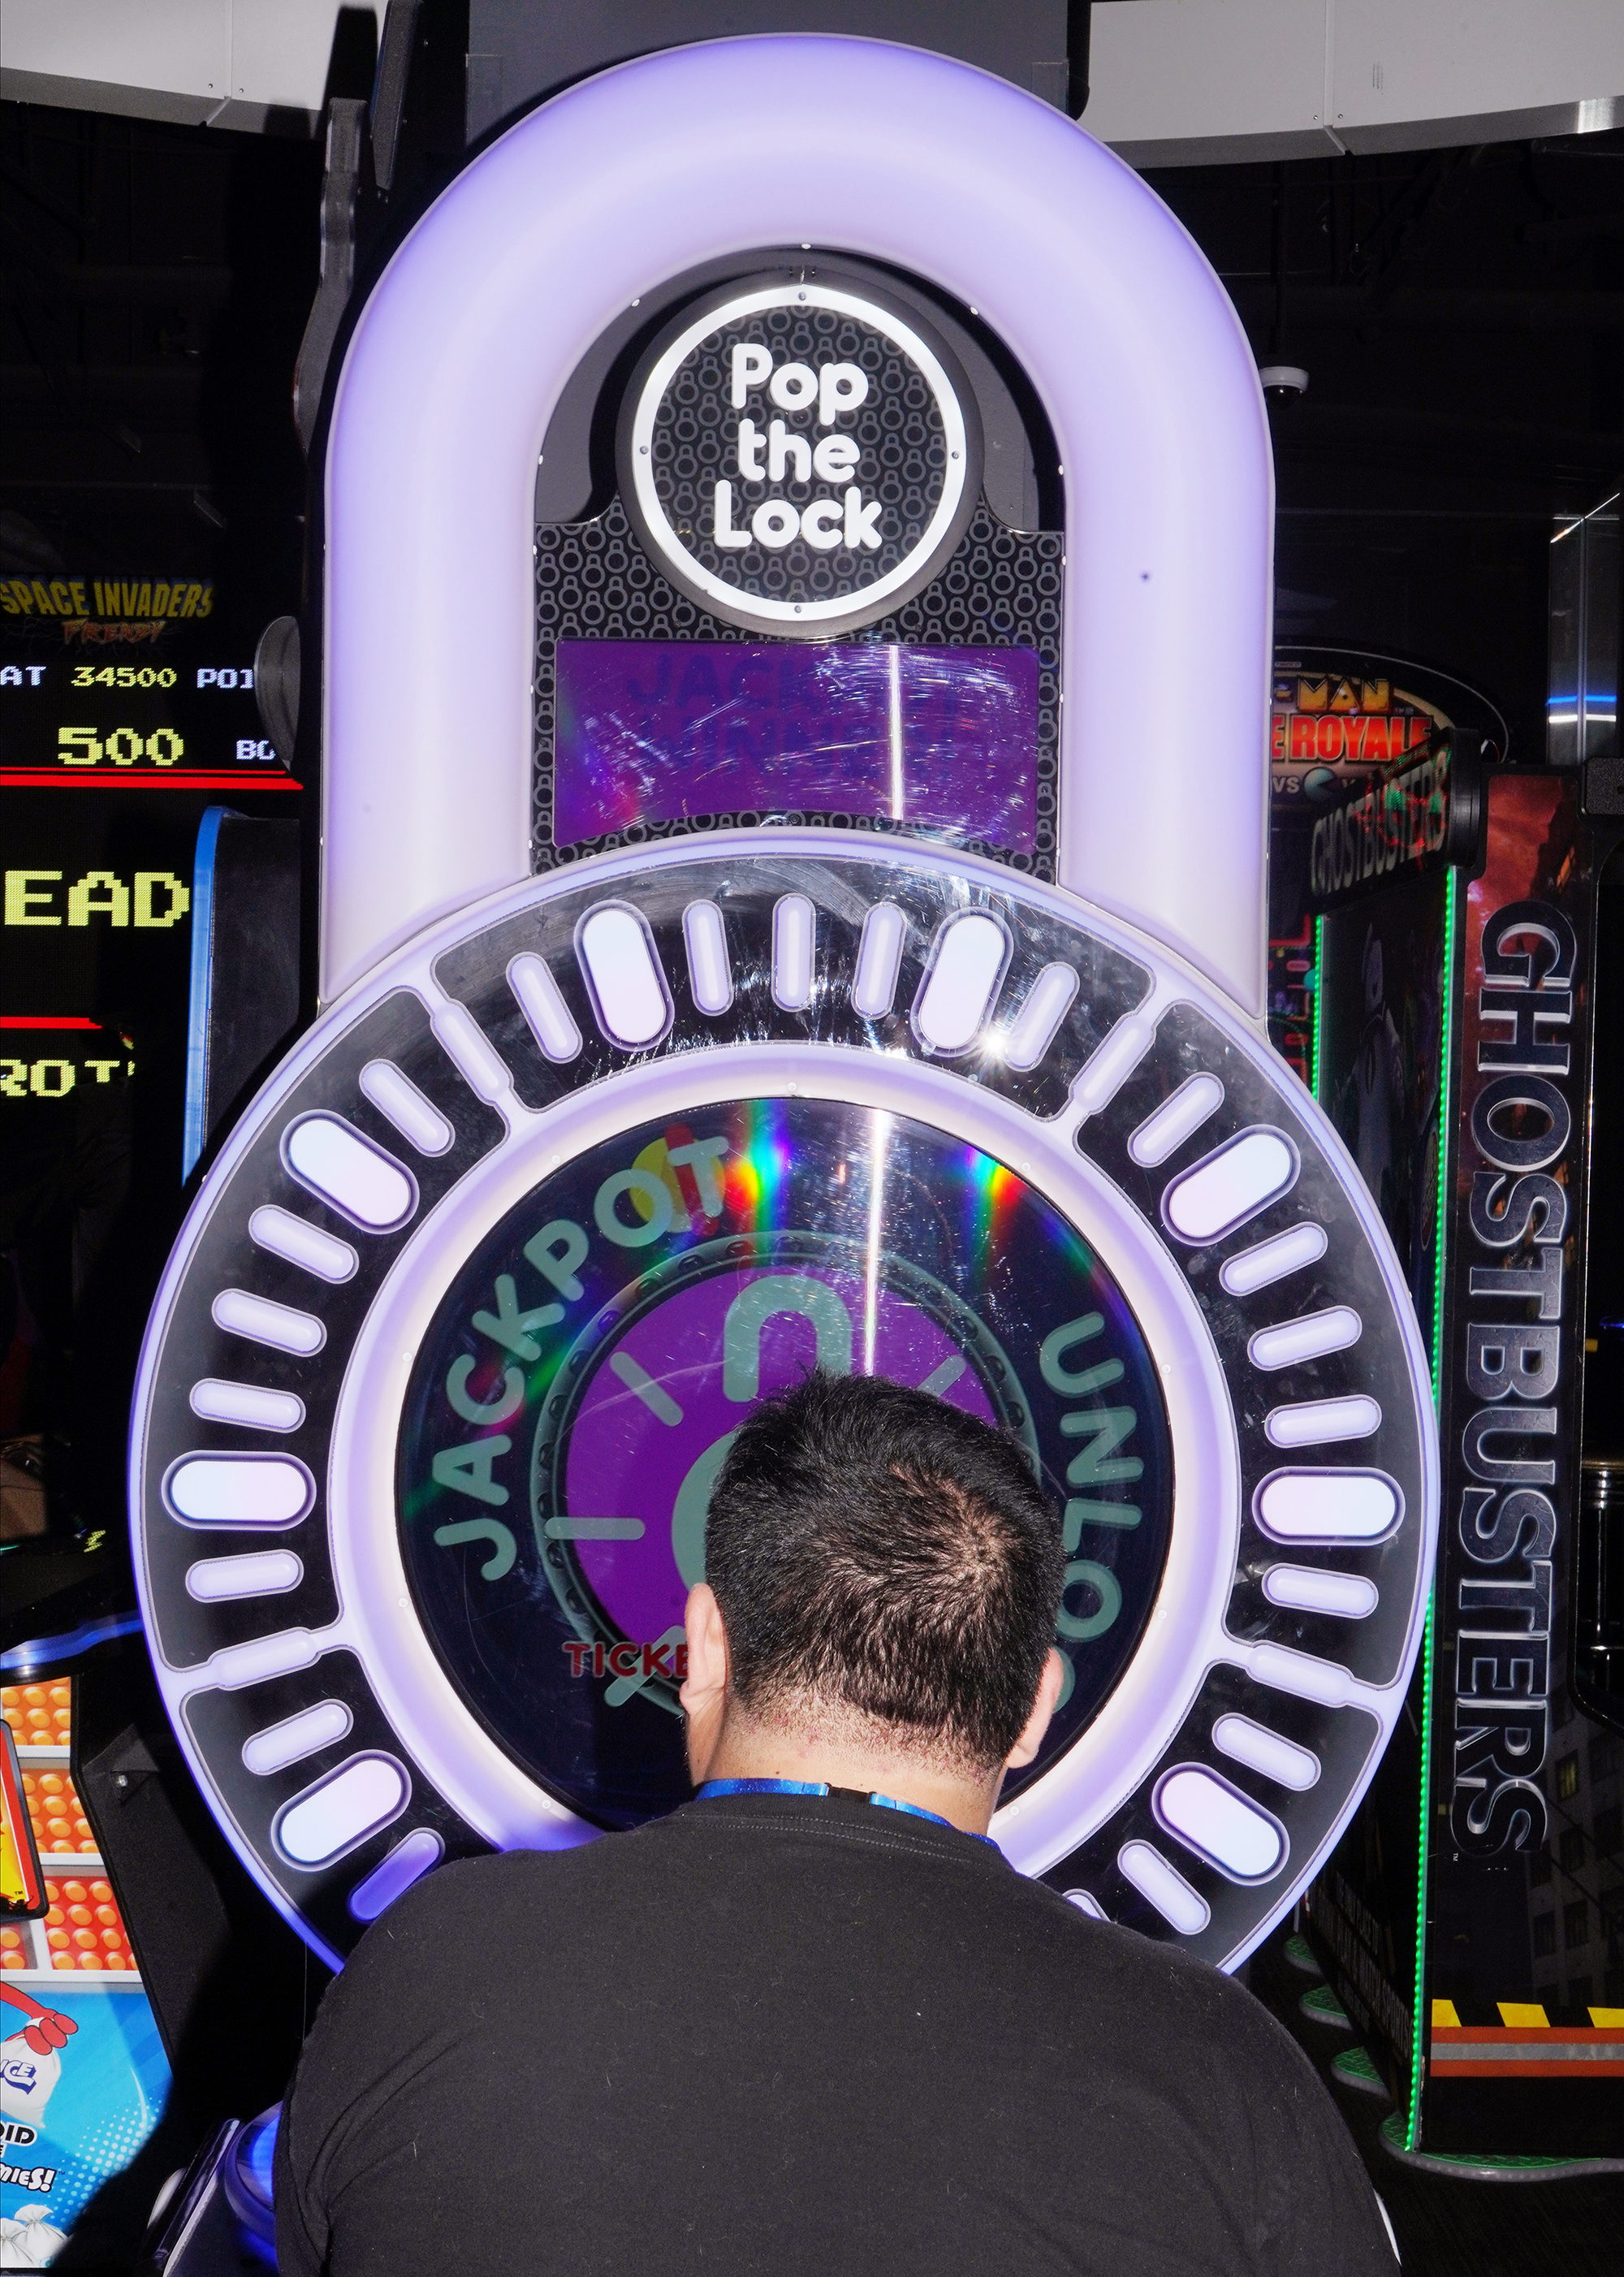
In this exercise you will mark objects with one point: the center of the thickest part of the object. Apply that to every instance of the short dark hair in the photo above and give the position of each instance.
(876, 1551)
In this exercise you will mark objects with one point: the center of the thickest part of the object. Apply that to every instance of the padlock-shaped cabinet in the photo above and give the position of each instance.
(784, 504)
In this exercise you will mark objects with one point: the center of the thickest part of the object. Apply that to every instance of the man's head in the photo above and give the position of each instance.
(887, 1573)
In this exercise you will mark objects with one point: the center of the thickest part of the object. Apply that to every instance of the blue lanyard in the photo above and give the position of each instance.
(715, 1787)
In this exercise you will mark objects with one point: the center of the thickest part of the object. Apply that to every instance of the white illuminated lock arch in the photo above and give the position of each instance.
(515, 1171)
(1129, 337)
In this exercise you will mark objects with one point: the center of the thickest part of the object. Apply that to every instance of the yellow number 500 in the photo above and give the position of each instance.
(80, 747)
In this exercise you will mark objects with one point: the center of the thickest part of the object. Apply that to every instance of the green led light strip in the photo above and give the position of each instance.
(1447, 1007)
(1313, 1033)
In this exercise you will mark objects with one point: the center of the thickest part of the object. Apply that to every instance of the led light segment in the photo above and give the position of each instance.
(247, 1404)
(1327, 1506)
(1035, 1025)
(341, 1810)
(398, 1099)
(537, 995)
(794, 935)
(266, 1322)
(970, 957)
(1310, 1589)
(1262, 1750)
(1311, 1337)
(1272, 1260)
(406, 1862)
(1317, 1421)
(1176, 1119)
(296, 1737)
(299, 1243)
(239, 1490)
(1165, 1888)
(880, 956)
(360, 1180)
(260, 1573)
(629, 988)
(1231, 1187)
(710, 974)
(1219, 1824)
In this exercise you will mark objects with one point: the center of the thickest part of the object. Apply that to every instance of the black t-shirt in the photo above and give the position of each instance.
(798, 2038)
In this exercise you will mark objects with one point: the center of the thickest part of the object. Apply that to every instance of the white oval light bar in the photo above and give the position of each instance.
(1326, 1507)
(398, 1100)
(250, 1405)
(1311, 1589)
(1267, 1262)
(880, 958)
(341, 1810)
(1225, 1189)
(409, 1859)
(470, 1051)
(1309, 1337)
(1176, 1119)
(1319, 1422)
(360, 1181)
(971, 954)
(710, 970)
(463, 349)
(258, 1574)
(1035, 1025)
(299, 1243)
(539, 997)
(628, 989)
(1182, 1908)
(1103, 1075)
(269, 1490)
(266, 1322)
(295, 1737)
(1214, 1819)
(795, 934)
(1253, 1744)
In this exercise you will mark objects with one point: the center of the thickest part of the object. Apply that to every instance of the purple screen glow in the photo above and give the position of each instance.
(662, 731)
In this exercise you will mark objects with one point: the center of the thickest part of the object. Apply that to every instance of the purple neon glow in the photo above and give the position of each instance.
(655, 731)
(637, 175)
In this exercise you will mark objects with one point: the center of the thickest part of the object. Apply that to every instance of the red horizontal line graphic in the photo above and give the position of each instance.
(1535, 2035)
(1553, 2067)
(46, 1020)
(95, 779)
(1528, 2052)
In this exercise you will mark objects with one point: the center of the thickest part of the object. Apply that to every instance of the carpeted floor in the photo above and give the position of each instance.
(1449, 2229)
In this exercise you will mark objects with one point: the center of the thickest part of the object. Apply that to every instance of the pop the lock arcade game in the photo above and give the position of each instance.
(771, 502)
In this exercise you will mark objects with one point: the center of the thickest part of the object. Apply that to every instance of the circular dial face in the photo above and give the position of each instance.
(478, 1288)
(800, 456)
(673, 1277)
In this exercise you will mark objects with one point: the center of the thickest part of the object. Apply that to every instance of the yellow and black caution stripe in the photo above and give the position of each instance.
(1523, 2043)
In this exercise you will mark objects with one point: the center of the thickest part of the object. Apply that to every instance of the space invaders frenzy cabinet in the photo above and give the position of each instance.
(761, 924)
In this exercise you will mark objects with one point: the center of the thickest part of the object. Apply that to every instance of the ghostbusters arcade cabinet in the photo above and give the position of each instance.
(1465, 936)
(757, 927)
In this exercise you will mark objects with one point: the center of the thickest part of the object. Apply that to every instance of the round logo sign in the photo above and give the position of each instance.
(572, 1404)
(800, 457)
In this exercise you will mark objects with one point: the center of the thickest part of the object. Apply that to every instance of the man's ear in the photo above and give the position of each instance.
(705, 1689)
(1044, 1708)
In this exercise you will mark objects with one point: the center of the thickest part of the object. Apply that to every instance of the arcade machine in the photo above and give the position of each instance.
(148, 823)
(762, 923)
(1468, 1920)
